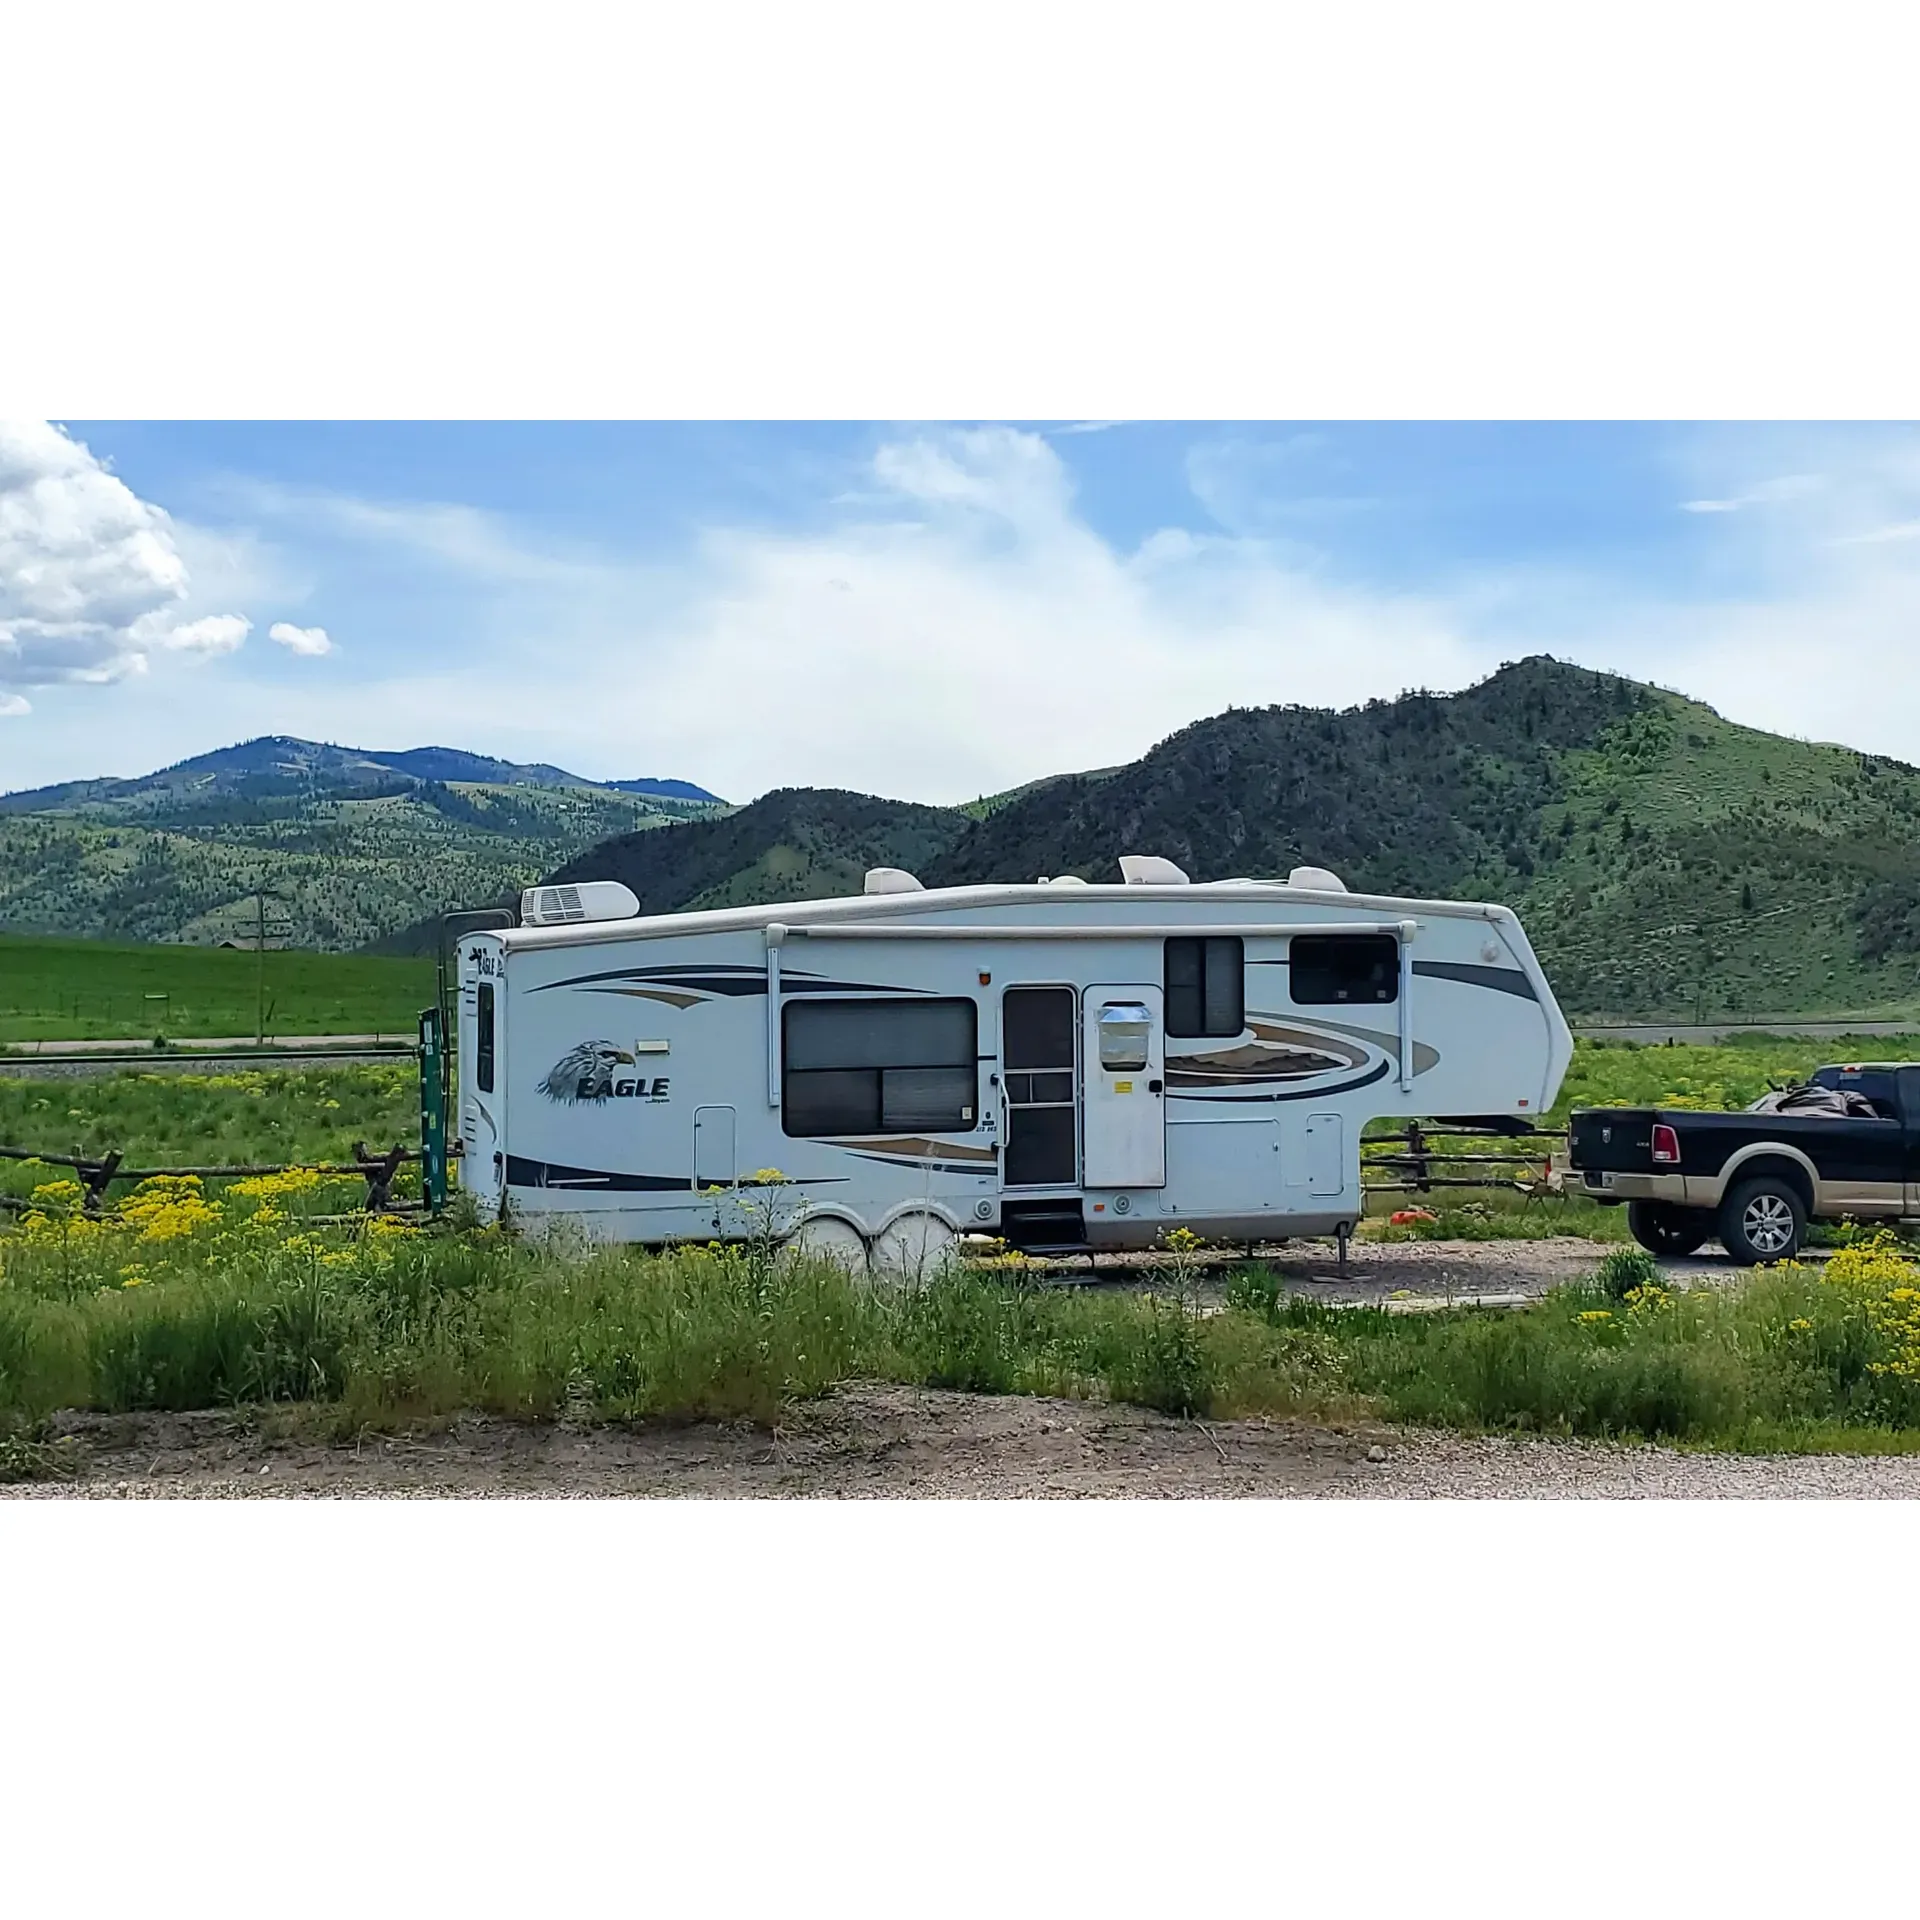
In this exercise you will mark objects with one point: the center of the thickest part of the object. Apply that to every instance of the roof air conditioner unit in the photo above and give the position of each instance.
(1316, 880)
(891, 880)
(567, 906)
(1149, 870)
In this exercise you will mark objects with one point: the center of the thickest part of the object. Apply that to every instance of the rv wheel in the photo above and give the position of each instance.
(914, 1249)
(837, 1242)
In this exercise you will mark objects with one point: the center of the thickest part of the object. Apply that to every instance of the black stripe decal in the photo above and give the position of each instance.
(1302, 1093)
(912, 1163)
(547, 1173)
(1500, 979)
(731, 982)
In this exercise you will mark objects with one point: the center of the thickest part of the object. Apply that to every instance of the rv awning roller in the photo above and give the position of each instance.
(1401, 930)
(778, 933)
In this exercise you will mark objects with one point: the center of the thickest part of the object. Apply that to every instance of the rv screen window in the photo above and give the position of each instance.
(1328, 969)
(879, 1066)
(1206, 987)
(483, 1041)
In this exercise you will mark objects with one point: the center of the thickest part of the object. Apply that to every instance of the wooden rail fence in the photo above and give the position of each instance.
(96, 1176)
(1530, 1171)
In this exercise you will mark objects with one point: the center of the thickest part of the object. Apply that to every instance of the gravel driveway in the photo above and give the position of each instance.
(886, 1442)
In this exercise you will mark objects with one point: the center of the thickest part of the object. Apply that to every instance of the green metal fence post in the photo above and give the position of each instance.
(433, 1112)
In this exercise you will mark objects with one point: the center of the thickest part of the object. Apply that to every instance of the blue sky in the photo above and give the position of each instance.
(926, 611)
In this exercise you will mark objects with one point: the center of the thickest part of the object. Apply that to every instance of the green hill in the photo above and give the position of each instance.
(1666, 862)
(353, 845)
(798, 843)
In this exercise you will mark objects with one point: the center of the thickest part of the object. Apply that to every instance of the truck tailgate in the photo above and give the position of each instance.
(1617, 1139)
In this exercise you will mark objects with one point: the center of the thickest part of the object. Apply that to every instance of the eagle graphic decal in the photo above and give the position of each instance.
(587, 1073)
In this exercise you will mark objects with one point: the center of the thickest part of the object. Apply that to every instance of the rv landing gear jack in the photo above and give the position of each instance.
(1342, 1233)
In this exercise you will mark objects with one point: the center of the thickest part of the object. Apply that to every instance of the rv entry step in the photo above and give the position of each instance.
(1044, 1226)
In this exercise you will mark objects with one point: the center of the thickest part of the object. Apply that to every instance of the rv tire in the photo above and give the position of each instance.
(834, 1241)
(913, 1249)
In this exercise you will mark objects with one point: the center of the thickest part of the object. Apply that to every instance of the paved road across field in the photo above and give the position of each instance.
(1713, 1036)
(242, 1043)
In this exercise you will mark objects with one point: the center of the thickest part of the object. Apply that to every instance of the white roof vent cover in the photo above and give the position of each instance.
(568, 906)
(1316, 880)
(891, 880)
(1149, 870)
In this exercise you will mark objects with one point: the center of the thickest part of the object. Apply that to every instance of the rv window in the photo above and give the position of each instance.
(1330, 968)
(879, 1066)
(483, 1045)
(1206, 993)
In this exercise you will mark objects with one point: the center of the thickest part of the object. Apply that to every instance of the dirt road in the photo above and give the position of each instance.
(883, 1442)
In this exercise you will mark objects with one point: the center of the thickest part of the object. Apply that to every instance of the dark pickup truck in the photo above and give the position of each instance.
(1753, 1180)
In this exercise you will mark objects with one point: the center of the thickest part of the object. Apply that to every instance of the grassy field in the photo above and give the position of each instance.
(92, 989)
(191, 1294)
(183, 1300)
(244, 1118)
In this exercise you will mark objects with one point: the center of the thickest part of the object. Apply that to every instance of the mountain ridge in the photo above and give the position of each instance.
(1663, 859)
(289, 758)
(350, 845)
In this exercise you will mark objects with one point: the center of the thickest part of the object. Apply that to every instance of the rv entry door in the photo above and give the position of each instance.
(1038, 1088)
(1124, 1087)
(480, 1054)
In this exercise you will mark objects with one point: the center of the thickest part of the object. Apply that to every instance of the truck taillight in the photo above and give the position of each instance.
(1666, 1146)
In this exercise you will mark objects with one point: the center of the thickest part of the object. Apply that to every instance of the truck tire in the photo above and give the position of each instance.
(1761, 1220)
(1670, 1231)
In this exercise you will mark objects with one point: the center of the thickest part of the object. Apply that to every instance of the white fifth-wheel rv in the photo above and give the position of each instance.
(1062, 1065)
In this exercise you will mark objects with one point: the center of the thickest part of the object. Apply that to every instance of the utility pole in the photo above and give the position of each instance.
(280, 930)
(260, 971)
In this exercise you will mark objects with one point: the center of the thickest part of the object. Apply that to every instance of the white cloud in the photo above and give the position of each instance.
(991, 635)
(91, 576)
(947, 621)
(12, 705)
(1880, 536)
(308, 641)
(216, 633)
(1783, 487)
(956, 627)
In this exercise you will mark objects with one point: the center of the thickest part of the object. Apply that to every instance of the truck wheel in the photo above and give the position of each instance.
(1762, 1220)
(1668, 1230)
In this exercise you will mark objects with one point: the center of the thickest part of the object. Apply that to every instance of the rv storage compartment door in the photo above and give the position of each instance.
(1326, 1154)
(713, 1163)
(1124, 1067)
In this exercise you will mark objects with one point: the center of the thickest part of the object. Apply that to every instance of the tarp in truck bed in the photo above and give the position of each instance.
(1818, 1103)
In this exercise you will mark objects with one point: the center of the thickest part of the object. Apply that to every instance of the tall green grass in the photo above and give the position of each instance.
(385, 1327)
(395, 1326)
